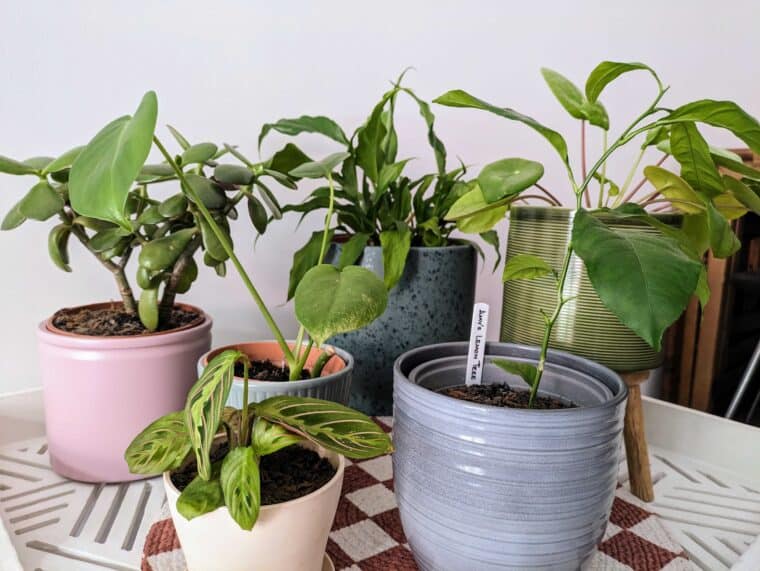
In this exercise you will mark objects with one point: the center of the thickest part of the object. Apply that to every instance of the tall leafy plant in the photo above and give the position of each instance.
(376, 202)
(328, 300)
(255, 431)
(645, 280)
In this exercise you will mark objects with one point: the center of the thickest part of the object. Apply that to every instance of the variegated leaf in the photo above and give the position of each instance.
(205, 405)
(269, 437)
(328, 424)
(163, 445)
(241, 485)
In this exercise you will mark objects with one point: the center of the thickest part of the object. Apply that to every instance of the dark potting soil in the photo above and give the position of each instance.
(267, 371)
(286, 475)
(503, 396)
(113, 320)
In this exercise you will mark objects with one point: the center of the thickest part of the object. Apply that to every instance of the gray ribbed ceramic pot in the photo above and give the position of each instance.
(483, 488)
(334, 384)
(585, 327)
(432, 303)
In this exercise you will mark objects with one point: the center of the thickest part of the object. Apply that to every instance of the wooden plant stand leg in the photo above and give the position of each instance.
(636, 451)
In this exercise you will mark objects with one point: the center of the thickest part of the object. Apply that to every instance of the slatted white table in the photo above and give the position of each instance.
(706, 471)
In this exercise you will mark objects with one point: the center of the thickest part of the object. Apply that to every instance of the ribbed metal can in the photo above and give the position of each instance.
(483, 488)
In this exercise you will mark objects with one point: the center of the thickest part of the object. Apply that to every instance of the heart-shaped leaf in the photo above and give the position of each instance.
(241, 486)
(104, 171)
(328, 424)
(508, 177)
(329, 301)
(163, 445)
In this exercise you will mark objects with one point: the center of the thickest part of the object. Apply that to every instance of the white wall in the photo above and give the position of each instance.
(223, 68)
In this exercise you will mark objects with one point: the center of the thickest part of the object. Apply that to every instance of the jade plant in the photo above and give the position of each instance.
(376, 202)
(328, 300)
(257, 430)
(645, 279)
(103, 195)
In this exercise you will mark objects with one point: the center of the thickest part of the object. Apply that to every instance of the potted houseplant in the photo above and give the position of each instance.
(517, 478)
(253, 488)
(131, 360)
(395, 226)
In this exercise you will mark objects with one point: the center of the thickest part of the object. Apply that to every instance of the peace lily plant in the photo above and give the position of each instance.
(328, 300)
(645, 280)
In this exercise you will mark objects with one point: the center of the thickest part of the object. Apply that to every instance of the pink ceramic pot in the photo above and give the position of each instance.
(100, 392)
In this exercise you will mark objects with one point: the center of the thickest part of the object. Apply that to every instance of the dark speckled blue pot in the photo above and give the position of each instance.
(432, 303)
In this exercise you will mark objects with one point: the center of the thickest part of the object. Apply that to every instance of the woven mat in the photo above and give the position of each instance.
(367, 533)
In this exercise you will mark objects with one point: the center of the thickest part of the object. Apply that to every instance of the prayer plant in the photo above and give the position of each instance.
(258, 430)
(375, 201)
(645, 280)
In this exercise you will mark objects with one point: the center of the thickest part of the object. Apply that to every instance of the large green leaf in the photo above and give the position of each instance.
(645, 280)
(163, 445)
(395, 245)
(205, 404)
(525, 267)
(268, 438)
(459, 98)
(697, 167)
(328, 424)
(201, 496)
(675, 189)
(104, 171)
(306, 124)
(305, 259)
(329, 301)
(241, 486)
(41, 202)
(724, 114)
(508, 177)
(606, 72)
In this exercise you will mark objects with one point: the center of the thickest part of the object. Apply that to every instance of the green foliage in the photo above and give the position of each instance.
(241, 486)
(525, 267)
(526, 371)
(163, 445)
(508, 177)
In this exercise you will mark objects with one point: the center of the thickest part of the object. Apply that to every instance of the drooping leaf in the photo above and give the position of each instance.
(435, 143)
(352, 249)
(268, 437)
(12, 166)
(525, 267)
(743, 193)
(188, 275)
(370, 151)
(205, 404)
(395, 245)
(306, 124)
(607, 71)
(64, 161)
(389, 173)
(179, 137)
(288, 158)
(508, 177)
(241, 486)
(723, 114)
(569, 96)
(329, 301)
(319, 169)
(173, 206)
(645, 280)
(526, 371)
(13, 219)
(459, 98)
(473, 202)
(674, 188)
(258, 214)
(41, 202)
(58, 241)
(492, 237)
(328, 424)
(233, 174)
(163, 253)
(692, 152)
(198, 153)
(737, 166)
(214, 247)
(729, 206)
(305, 259)
(200, 497)
(147, 308)
(723, 241)
(163, 445)
(208, 192)
(104, 171)
(656, 136)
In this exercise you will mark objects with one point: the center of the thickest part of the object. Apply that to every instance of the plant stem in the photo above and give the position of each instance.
(549, 194)
(170, 287)
(539, 197)
(584, 172)
(289, 357)
(643, 181)
(629, 179)
(243, 440)
(603, 179)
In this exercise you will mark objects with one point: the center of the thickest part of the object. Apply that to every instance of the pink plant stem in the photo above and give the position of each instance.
(549, 194)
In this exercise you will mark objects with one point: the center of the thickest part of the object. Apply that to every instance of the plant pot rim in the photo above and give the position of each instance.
(345, 356)
(48, 323)
(563, 213)
(337, 460)
(554, 357)
(432, 248)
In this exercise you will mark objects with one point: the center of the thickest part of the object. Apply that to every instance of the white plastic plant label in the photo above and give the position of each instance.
(476, 352)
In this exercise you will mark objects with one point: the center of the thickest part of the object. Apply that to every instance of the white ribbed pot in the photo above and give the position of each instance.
(488, 488)
(288, 536)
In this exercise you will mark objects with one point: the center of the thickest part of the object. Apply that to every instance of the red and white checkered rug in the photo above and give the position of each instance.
(367, 533)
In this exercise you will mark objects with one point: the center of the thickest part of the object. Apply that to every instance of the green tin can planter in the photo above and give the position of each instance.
(585, 327)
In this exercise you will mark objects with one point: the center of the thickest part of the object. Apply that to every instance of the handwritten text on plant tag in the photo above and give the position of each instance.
(476, 353)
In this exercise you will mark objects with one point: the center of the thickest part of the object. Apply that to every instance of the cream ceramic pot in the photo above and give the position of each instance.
(288, 536)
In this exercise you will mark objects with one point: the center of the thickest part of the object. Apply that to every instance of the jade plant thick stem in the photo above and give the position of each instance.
(645, 280)
(328, 300)
(257, 430)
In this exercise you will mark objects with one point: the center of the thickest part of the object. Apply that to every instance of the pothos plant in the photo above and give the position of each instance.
(645, 279)
(375, 201)
(328, 300)
(257, 430)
